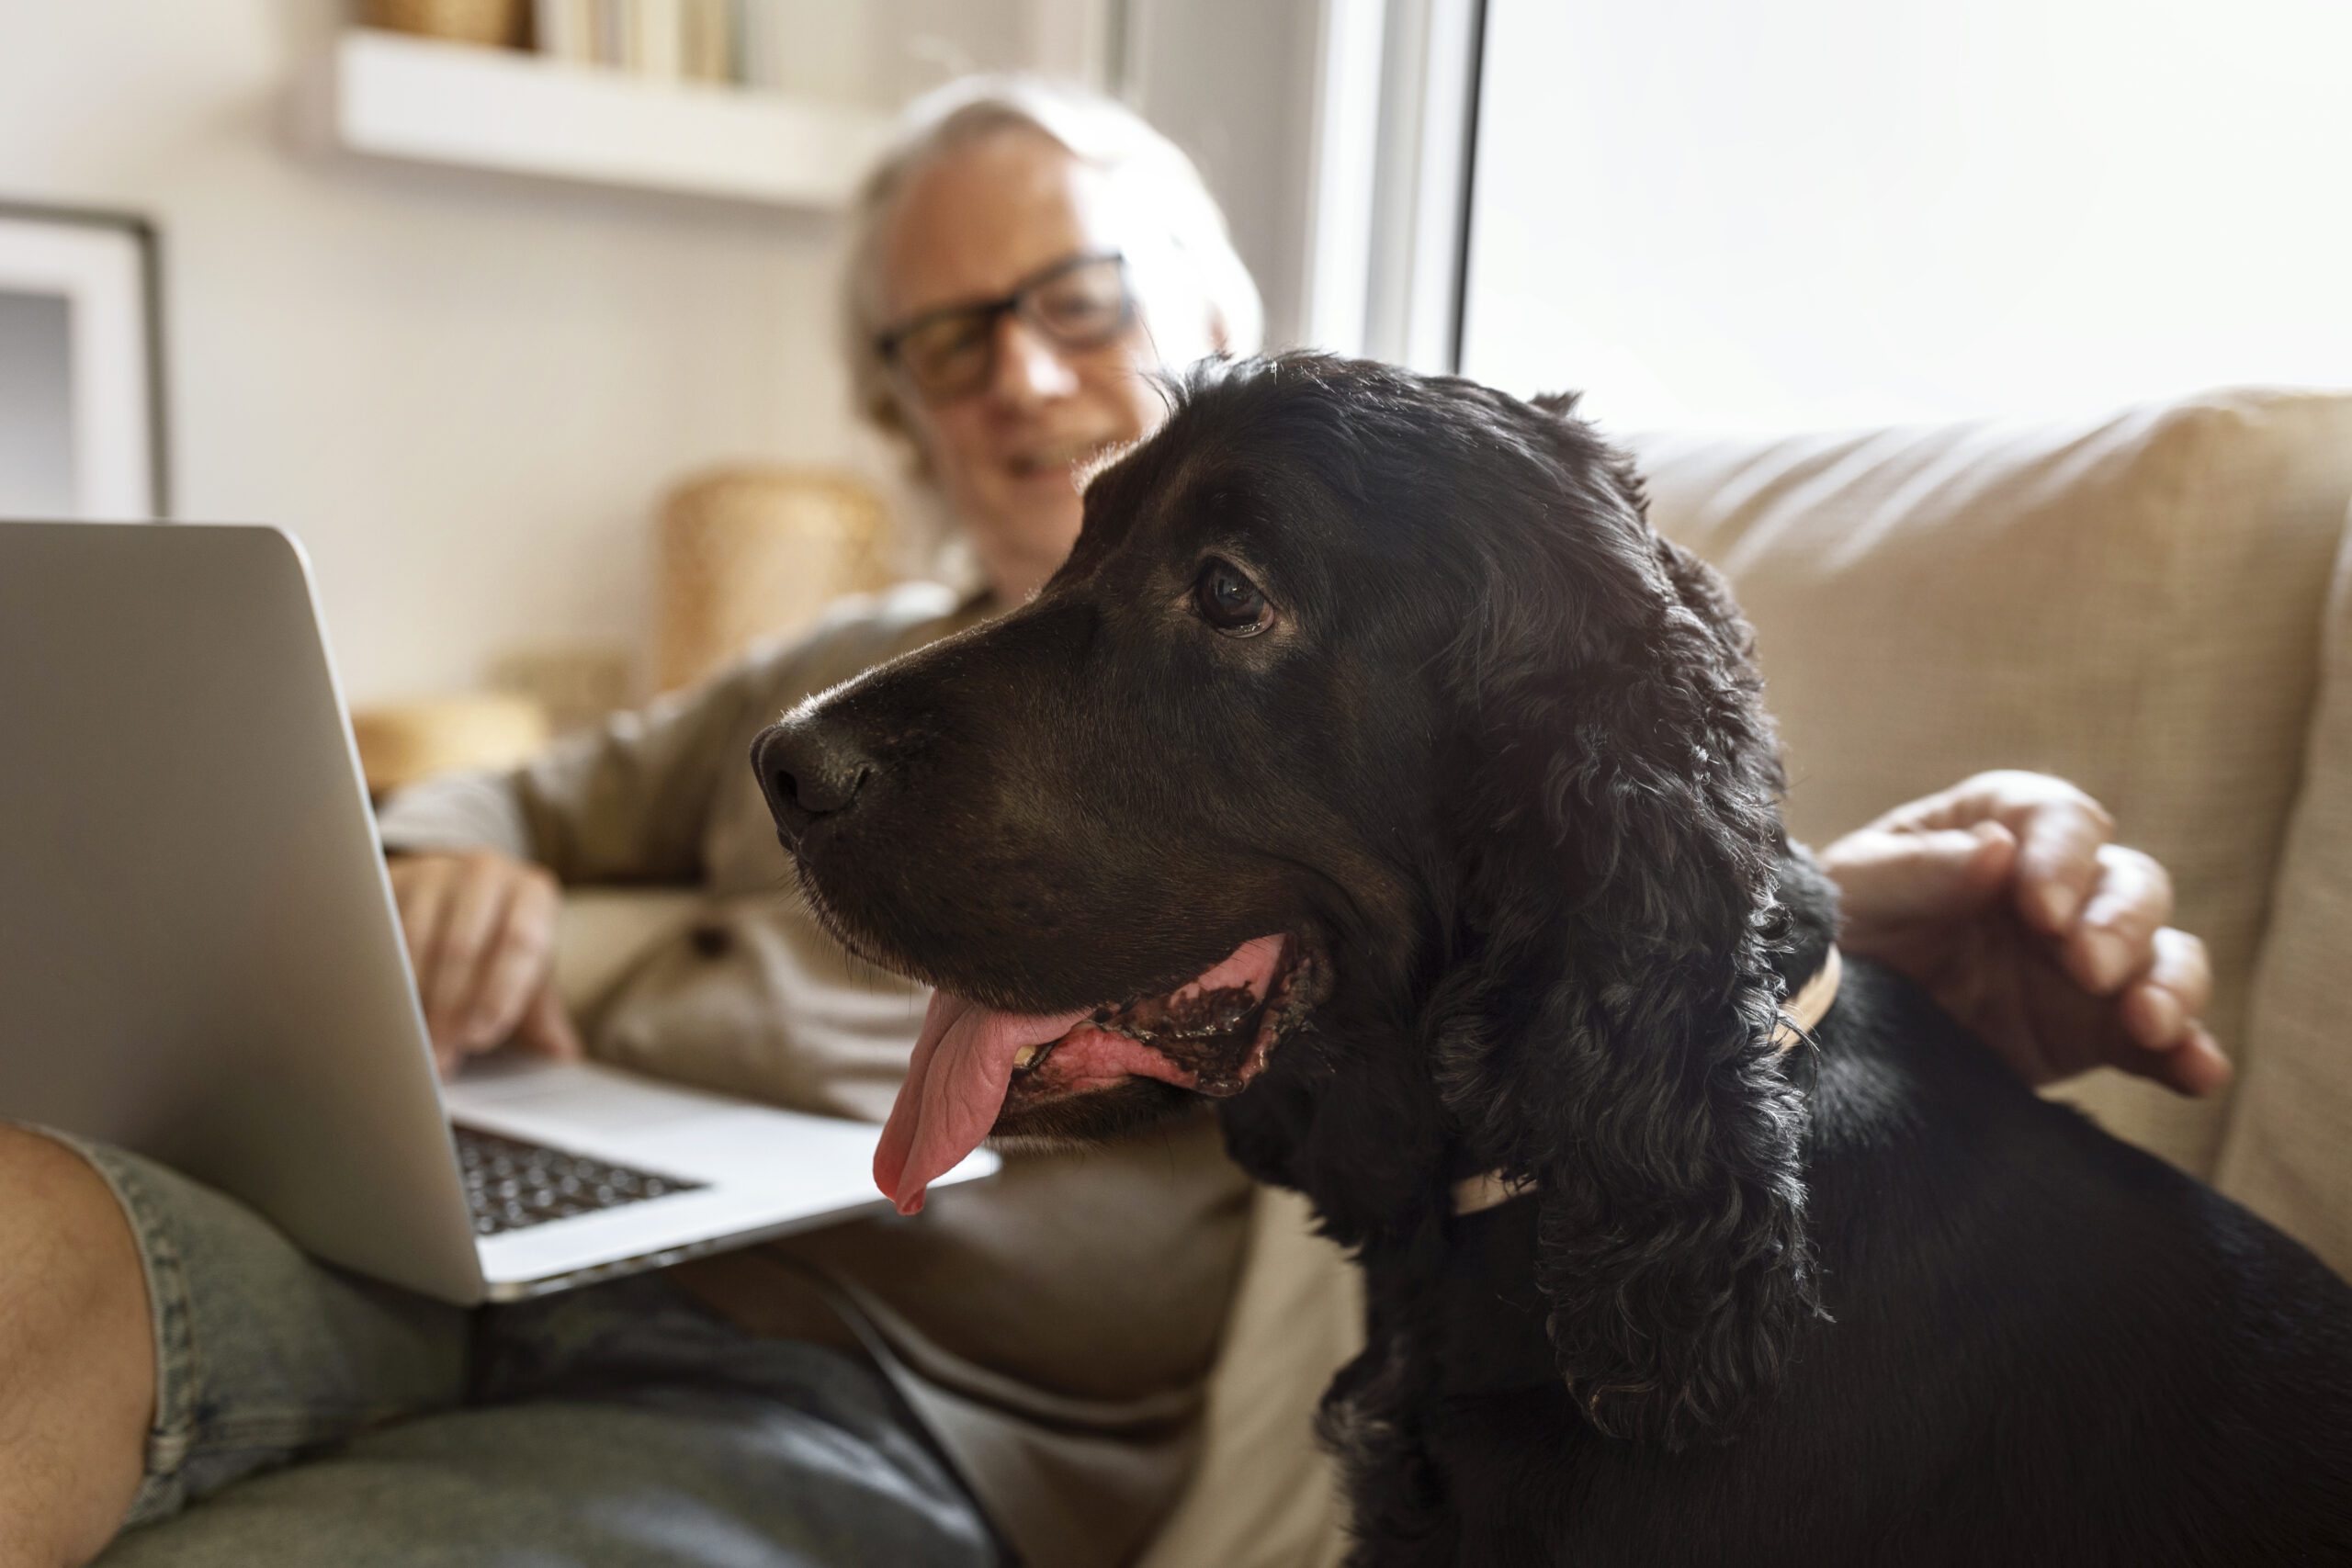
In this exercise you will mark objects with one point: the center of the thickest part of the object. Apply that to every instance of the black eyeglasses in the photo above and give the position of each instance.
(1079, 303)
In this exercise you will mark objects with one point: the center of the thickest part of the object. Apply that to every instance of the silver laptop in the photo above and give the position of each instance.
(200, 959)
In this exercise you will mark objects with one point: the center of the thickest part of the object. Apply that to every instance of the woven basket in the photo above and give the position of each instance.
(496, 22)
(743, 555)
(403, 742)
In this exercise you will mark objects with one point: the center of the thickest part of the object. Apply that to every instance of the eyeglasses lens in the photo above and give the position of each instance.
(1083, 307)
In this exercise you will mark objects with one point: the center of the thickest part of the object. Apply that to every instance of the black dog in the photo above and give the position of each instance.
(1373, 766)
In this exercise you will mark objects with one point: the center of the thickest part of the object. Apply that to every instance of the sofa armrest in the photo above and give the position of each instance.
(2290, 1123)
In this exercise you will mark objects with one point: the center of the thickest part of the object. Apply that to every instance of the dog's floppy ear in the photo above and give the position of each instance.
(1609, 1039)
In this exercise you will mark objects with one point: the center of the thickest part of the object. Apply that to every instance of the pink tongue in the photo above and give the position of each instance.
(955, 1087)
(962, 1066)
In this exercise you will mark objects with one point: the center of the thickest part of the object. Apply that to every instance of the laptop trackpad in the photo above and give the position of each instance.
(579, 1094)
(611, 1114)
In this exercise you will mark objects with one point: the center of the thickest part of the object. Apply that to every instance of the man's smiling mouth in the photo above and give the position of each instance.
(1057, 457)
(1213, 1035)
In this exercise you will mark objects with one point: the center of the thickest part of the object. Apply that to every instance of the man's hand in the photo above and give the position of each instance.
(480, 933)
(2004, 897)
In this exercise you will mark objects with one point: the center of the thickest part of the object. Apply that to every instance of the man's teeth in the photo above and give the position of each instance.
(1027, 1056)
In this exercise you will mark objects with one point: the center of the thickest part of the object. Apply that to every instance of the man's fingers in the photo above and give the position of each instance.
(2161, 1005)
(2194, 1068)
(1887, 877)
(515, 965)
(2059, 830)
(2115, 939)
(2183, 968)
(2197, 1065)
(477, 908)
(2058, 861)
(480, 931)
(2161, 1014)
(2193, 1065)
(421, 889)
(547, 1029)
(2008, 796)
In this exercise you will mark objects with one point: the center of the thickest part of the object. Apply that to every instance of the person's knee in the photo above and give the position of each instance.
(62, 1236)
(77, 1375)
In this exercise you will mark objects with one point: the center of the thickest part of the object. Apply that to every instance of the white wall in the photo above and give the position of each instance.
(1232, 82)
(465, 393)
(1830, 211)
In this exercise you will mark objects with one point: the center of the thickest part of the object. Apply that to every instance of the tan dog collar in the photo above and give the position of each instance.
(1799, 1015)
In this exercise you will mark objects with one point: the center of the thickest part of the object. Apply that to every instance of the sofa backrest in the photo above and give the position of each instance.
(2134, 603)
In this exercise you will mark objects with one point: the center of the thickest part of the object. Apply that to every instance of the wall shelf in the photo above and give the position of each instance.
(385, 95)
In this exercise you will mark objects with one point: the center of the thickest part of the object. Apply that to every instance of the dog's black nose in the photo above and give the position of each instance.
(807, 769)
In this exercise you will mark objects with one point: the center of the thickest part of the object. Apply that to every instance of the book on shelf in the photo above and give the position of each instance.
(707, 39)
(656, 39)
(815, 47)
(610, 32)
(565, 30)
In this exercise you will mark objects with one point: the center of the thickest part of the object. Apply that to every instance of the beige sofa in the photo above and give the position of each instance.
(2157, 604)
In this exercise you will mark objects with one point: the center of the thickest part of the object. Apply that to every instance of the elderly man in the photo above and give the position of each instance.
(1018, 1371)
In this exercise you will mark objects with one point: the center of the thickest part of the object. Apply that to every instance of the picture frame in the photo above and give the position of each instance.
(82, 431)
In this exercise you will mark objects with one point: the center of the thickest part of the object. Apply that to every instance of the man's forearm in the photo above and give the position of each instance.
(457, 813)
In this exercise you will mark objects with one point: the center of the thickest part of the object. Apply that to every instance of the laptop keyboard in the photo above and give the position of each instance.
(512, 1185)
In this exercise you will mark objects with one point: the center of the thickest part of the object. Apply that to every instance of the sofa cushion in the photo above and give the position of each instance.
(2288, 1150)
(2133, 603)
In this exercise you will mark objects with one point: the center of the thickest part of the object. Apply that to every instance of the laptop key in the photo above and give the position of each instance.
(512, 1185)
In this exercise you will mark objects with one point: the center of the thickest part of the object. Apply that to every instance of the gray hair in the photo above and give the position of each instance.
(1094, 130)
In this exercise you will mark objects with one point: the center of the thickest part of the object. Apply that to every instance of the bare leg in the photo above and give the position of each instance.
(77, 1357)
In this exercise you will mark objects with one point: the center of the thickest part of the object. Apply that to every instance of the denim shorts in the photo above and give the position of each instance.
(305, 1416)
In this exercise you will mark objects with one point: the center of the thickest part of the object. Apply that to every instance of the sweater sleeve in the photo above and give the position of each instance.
(629, 801)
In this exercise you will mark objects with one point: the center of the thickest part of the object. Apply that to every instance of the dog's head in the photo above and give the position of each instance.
(1368, 710)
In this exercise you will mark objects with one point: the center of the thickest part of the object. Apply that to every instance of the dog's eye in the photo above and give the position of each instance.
(1230, 601)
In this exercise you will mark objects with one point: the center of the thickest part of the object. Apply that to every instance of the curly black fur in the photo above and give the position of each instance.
(1503, 749)
(1619, 917)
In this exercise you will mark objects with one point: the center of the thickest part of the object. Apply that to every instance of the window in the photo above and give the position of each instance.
(1842, 211)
